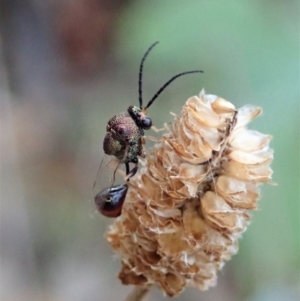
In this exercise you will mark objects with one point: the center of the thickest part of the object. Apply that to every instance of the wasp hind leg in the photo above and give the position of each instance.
(130, 173)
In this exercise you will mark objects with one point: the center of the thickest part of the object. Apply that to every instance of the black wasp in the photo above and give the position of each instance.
(124, 139)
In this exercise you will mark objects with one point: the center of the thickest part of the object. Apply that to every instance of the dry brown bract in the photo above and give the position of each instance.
(189, 204)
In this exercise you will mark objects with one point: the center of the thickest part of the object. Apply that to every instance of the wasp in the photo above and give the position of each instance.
(125, 140)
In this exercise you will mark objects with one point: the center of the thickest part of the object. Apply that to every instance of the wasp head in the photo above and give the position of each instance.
(140, 117)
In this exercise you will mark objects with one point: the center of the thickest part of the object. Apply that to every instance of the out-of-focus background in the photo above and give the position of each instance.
(67, 66)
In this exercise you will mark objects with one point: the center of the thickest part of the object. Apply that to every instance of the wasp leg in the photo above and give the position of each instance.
(133, 171)
(156, 130)
(127, 168)
(130, 173)
(151, 138)
(142, 151)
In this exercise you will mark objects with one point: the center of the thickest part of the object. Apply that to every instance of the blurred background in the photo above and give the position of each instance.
(67, 66)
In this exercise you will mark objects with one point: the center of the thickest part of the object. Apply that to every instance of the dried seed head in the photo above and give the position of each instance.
(188, 206)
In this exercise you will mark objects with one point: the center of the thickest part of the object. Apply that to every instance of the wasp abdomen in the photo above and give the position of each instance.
(110, 201)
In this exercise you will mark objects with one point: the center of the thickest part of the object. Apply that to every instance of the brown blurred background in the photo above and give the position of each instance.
(67, 66)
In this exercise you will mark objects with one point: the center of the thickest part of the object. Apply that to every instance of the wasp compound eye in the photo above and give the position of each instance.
(146, 122)
(110, 201)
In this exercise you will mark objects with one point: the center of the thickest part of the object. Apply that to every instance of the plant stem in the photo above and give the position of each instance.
(138, 293)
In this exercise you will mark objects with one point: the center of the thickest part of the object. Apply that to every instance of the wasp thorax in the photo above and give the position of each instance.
(140, 117)
(123, 138)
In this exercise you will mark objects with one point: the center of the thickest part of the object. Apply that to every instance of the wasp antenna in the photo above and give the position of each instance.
(141, 73)
(168, 83)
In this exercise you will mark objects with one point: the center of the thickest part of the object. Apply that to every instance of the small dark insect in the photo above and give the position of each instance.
(124, 139)
(125, 131)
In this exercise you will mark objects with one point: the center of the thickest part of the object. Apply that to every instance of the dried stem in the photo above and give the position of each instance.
(138, 293)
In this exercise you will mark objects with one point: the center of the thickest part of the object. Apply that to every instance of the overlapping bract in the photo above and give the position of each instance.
(189, 204)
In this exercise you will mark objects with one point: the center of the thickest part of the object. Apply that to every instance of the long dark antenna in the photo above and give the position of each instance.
(168, 83)
(141, 73)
